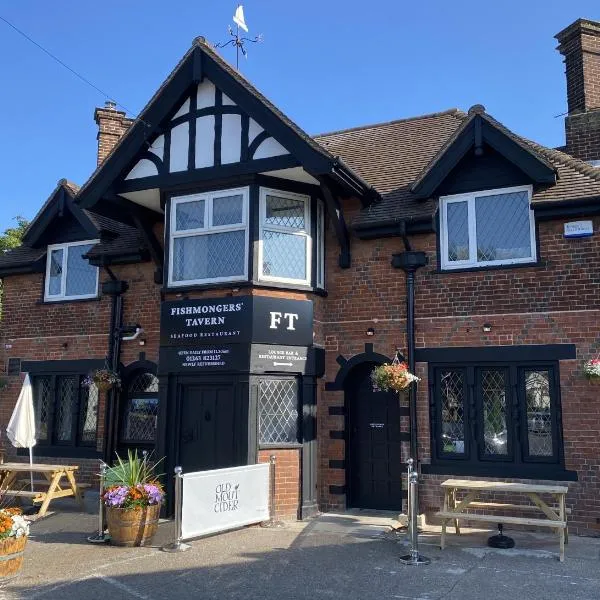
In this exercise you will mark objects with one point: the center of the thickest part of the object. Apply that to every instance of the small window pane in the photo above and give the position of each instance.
(55, 273)
(539, 418)
(285, 212)
(140, 420)
(278, 411)
(458, 230)
(284, 255)
(320, 246)
(89, 410)
(503, 226)
(209, 256)
(81, 276)
(228, 210)
(453, 416)
(493, 387)
(189, 215)
(144, 383)
(42, 395)
(67, 395)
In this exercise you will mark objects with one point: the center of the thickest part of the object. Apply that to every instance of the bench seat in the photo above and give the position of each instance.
(502, 519)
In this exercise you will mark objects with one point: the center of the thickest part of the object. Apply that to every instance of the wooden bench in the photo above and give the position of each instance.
(454, 509)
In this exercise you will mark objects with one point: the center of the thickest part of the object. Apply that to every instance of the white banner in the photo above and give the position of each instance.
(224, 499)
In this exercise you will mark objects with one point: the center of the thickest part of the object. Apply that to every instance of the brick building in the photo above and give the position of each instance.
(245, 278)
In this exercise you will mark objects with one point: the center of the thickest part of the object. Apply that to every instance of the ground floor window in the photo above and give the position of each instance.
(504, 413)
(66, 411)
(278, 402)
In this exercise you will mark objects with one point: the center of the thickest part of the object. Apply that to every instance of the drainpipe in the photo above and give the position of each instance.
(410, 261)
(114, 288)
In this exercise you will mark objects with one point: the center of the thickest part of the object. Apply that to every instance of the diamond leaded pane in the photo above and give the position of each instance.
(278, 411)
(55, 272)
(228, 210)
(89, 408)
(65, 402)
(458, 231)
(41, 405)
(189, 215)
(493, 387)
(503, 226)
(143, 382)
(284, 255)
(453, 415)
(285, 212)
(81, 276)
(209, 256)
(140, 420)
(539, 419)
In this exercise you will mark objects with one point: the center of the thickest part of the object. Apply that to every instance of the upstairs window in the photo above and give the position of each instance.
(285, 240)
(487, 228)
(209, 238)
(69, 276)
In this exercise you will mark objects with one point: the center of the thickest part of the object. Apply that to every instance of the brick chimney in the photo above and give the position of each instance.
(579, 43)
(112, 124)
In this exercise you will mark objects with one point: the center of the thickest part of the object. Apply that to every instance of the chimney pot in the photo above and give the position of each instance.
(110, 105)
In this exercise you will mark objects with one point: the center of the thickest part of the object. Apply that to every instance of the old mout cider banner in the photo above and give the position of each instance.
(224, 499)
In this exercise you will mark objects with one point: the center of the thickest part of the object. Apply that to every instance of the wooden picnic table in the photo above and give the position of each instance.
(58, 482)
(454, 509)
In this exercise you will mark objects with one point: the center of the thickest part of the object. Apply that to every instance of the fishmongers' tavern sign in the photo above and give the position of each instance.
(242, 319)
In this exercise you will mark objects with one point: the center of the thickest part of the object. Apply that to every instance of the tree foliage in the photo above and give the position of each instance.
(13, 236)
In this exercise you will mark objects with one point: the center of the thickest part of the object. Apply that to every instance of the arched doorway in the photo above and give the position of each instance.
(374, 462)
(138, 413)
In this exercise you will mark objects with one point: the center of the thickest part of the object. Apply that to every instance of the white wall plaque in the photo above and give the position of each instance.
(579, 229)
(223, 499)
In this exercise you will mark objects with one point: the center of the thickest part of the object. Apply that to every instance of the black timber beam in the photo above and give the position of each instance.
(339, 224)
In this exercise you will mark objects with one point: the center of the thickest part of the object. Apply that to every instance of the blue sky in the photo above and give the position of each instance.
(328, 64)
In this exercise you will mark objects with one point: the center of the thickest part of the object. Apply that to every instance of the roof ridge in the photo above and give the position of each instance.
(449, 111)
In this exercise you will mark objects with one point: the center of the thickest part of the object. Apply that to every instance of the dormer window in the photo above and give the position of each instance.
(488, 228)
(69, 276)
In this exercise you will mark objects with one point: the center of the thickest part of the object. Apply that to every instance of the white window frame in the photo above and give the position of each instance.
(306, 233)
(208, 229)
(472, 261)
(63, 280)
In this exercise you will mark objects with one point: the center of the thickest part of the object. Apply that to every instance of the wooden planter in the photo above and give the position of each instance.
(132, 527)
(11, 556)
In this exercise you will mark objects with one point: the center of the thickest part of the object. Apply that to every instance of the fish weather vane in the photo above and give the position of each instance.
(236, 40)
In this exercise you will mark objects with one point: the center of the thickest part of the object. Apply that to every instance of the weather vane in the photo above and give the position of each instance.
(237, 41)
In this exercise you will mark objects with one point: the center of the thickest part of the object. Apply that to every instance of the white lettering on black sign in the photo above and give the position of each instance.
(226, 497)
(288, 318)
(204, 357)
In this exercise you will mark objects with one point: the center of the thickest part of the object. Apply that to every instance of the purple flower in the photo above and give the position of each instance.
(154, 493)
(116, 496)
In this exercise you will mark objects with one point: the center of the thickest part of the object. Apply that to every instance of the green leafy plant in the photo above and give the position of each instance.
(132, 471)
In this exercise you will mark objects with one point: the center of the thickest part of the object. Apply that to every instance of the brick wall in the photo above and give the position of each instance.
(555, 302)
(287, 481)
(112, 124)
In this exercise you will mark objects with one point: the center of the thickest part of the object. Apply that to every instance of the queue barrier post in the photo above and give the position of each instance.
(101, 537)
(272, 522)
(177, 545)
(413, 558)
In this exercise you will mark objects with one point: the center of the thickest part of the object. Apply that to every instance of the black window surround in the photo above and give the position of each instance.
(80, 443)
(315, 235)
(496, 411)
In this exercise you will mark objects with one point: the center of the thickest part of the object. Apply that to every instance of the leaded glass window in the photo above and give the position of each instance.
(209, 237)
(493, 392)
(66, 411)
(278, 411)
(539, 416)
(69, 276)
(285, 248)
(320, 246)
(141, 409)
(452, 387)
(487, 228)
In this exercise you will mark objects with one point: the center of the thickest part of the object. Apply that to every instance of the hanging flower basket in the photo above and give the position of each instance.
(591, 370)
(393, 377)
(103, 379)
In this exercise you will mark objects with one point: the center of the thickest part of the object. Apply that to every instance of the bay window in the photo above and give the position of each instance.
(209, 237)
(487, 228)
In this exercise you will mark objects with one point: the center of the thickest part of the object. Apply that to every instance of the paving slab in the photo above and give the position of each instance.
(350, 555)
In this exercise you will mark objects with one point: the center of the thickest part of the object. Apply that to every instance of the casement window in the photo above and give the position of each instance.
(495, 416)
(278, 402)
(487, 228)
(285, 238)
(140, 412)
(66, 411)
(209, 238)
(69, 276)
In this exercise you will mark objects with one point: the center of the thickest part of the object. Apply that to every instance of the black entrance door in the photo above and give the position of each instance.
(375, 463)
(210, 423)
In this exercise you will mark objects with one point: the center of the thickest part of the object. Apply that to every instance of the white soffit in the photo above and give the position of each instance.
(295, 174)
(147, 198)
